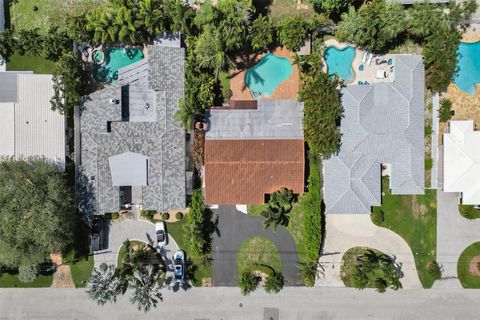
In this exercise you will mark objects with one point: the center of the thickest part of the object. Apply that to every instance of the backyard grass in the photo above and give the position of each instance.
(177, 232)
(30, 63)
(48, 12)
(279, 9)
(257, 251)
(8, 280)
(349, 263)
(467, 279)
(414, 218)
(469, 212)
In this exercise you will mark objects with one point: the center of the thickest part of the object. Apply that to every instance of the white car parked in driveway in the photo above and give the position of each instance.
(161, 232)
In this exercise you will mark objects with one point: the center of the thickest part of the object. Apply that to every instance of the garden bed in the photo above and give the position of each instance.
(467, 267)
(469, 212)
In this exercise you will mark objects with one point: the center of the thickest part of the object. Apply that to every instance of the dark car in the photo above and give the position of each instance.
(98, 233)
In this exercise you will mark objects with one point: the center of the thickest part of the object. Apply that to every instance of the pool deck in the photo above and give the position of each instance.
(288, 89)
(369, 73)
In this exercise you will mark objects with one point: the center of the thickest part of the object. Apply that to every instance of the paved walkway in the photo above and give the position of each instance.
(345, 231)
(235, 226)
(140, 230)
(454, 234)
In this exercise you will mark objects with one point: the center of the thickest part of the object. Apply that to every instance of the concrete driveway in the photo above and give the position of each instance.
(345, 231)
(454, 234)
(140, 230)
(235, 226)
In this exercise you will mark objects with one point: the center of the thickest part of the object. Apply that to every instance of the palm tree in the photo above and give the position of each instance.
(283, 199)
(275, 216)
(104, 286)
(146, 284)
(150, 17)
(274, 282)
(309, 271)
(248, 282)
(181, 17)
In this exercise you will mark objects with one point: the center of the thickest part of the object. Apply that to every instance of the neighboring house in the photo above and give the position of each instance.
(461, 161)
(250, 153)
(383, 124)
(133, 152)
(28, 126)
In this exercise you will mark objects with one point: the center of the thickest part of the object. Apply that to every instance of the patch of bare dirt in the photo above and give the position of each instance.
(473, 266)
(62, 278)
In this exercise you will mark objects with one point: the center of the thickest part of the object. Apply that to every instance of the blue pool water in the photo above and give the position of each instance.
(115, 58)
(339, 62)
(266, 76)
(468, 67)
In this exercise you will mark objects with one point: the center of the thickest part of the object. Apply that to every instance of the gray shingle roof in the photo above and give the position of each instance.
(273, 119)
(2, 15)
(152, 132)
(383, 124)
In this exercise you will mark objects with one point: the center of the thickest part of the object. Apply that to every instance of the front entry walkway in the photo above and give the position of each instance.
(140, 230)
(235, 226)
(345, 231)
(454, 234)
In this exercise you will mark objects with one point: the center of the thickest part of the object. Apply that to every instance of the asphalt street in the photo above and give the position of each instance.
(224, 303)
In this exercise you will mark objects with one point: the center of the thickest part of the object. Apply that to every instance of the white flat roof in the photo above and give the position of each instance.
(129, 169)
(34, 130)
(462, 161)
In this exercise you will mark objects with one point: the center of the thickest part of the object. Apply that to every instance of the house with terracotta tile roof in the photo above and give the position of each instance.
(250, 153)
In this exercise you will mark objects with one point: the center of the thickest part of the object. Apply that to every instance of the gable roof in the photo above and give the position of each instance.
(244, 171)
(461, 162)
(143, 123)
(29, 127)
(383, 124)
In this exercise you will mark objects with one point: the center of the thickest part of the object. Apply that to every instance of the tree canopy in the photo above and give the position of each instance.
(35, 212)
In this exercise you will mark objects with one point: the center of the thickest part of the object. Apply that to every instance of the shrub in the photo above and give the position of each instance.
(428, 131)
(165, 216)
(428, 164)
(198, 148)
(274, 283)
(308, 269)
(434, 270)
(27, 273)
(179, 216)
(378, 216)
(248, 282)
(468, 211)
(293, 31)
(478, 267)
(148, 214)
(115, 215)
(445, 110)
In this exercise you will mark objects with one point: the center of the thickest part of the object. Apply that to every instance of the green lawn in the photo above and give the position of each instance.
(296, 227)
(467, 279)
(81, 271)
(469, 212)
(49, 12)
(414, 218)
(349, 263)
(175, 229)
(30, 63)
(256, 209)
(8, 280)
(257, 251)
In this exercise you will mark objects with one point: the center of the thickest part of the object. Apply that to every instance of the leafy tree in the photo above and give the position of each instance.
(274, 282)
(56, 43)
(445, 110)
(104, 285)
(375, 26)
(322, 108)
(76, 28)
(27, 273)
(8, 44)
(331, 7)
(262, 33)
(248, 282)
(29, 42)
(69, 83)
(146, 285)
(36, 211)
(293, 31)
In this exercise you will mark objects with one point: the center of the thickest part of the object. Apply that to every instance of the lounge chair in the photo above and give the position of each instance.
(364, 57)
(369, 59)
